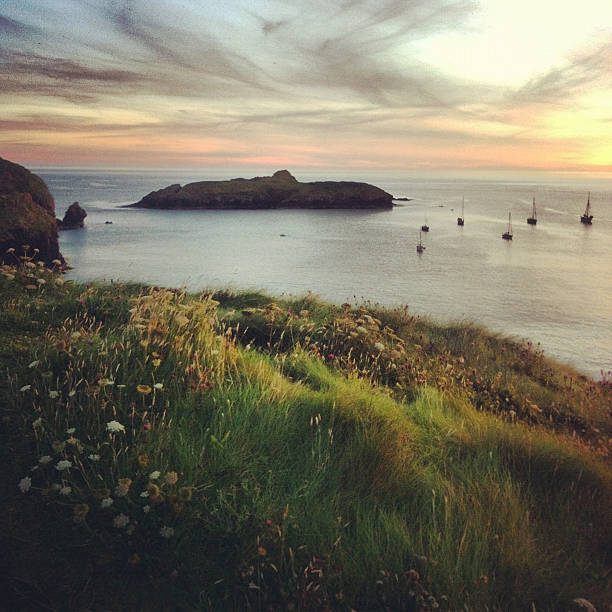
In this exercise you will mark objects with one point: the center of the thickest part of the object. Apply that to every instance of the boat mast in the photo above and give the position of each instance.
(588, 208)
(534, 209)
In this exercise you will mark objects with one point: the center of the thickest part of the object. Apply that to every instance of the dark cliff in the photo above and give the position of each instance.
(27, 216)
(281, 190)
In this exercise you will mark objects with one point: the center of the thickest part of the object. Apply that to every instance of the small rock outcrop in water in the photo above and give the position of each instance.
(73, 219)
(27, 216)
(281, 190)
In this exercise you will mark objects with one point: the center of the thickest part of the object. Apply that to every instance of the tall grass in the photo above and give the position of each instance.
(275, 456)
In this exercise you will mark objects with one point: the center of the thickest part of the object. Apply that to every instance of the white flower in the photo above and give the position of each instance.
(144, 494)
(30, 264)
(146, 509)
(121, 520)
(379, 346)
(362, 330)
(166, 532)
(65, 490)
(154, 475)
(75, 335)
(159, 385)
(26, 388)
(45, 459)
(94, 457)
(72, 393)
(107, 502)
(33, 468)
(25, 484)
(121, 386)
(53, 394)
(71, 430)
(62, 465)
(41, 281)
(114, 426)
(34, 364)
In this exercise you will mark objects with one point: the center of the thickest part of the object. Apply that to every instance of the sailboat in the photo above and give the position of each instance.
(533, 219)
(425, 227)
(461, 220)
(587, 218)
(508, 235)
(420, 247)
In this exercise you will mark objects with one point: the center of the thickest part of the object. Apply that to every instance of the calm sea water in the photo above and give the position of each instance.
(552, 284)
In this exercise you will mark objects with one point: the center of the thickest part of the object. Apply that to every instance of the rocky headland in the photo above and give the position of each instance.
(27, 216)
(281, 190)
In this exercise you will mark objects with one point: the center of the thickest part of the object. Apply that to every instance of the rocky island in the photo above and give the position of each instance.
(281, 190)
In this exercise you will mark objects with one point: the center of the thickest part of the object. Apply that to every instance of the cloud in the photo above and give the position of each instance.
(582, 71)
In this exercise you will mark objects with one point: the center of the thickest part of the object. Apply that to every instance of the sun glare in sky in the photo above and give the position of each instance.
(448, 84)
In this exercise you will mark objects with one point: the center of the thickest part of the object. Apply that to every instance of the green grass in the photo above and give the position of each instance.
(301, 465)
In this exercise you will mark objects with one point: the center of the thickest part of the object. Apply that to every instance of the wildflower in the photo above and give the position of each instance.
(106, 382)
(33, 364)
(25, 388)
(45, 459)
(144, 389)
(107, 502)
(185, 494)
(143, 460)
(154, 475)
(114, 426)
(71, 430)
(37, 422)
(146, 426)
(146, 509)
(62, 465)
(53, 394)
(166, 532)
(25, 484)
(331, 356)
(262, 551)
(153, 489)
(11, 250)
(121, 520)
(59, 281)
(159, 386)
(80, 512)
(144, 494)
(94, 457)
(122, 489)
(65, 490)
(171, 478)
(30, 264)
(379, 346)
(72, 393)
(156, 363)
(41, 281)
(75, 335)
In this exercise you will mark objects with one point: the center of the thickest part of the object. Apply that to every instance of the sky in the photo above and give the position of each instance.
(406, 85)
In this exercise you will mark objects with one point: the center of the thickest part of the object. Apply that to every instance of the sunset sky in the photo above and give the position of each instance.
(378, 84)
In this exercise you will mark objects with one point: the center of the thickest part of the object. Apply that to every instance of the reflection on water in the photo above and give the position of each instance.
(552, 283)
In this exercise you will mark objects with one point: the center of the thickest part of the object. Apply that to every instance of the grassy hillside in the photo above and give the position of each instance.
(219, 452)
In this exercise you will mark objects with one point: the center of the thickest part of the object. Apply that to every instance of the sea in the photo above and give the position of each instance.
(551, 284)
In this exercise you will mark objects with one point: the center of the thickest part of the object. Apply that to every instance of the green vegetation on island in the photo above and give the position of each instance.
(222, 451)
